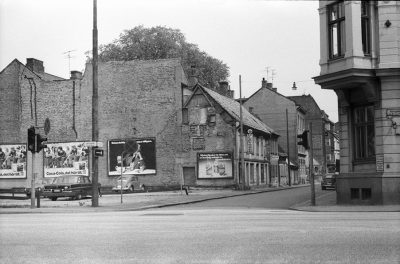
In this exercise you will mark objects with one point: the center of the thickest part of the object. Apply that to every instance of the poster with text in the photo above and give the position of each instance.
(67, 158)
(214, 165)
(13, 161)
(138, 156)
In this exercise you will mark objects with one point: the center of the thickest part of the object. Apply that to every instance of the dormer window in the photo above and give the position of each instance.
(336, 28)
(365, 27)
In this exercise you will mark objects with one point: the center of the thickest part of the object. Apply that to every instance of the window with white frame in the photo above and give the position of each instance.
(336, 29)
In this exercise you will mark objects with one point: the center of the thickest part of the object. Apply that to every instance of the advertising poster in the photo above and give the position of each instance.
(214, 165)
(13, 161)
(67, 158)
(138, 156)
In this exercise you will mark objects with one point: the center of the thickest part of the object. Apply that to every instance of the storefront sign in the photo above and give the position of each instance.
(214, 165)
(139, 156)
(12, 161)
(67, 158)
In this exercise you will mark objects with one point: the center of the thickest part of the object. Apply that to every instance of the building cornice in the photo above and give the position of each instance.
(349, 78)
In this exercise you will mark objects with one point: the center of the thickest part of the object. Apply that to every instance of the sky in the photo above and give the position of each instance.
(275, 40)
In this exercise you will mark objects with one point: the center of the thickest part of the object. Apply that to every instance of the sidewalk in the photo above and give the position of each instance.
(142, 201)
(327, 203)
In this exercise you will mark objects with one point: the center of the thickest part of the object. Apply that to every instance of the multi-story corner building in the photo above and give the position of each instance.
(288, 120)
(360, 61)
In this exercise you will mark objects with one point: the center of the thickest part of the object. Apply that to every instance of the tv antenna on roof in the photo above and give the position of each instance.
(273, 75)
(69, 58)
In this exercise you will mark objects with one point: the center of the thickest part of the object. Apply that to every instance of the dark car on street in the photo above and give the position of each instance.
(73, 186)
(40, 186)
(328, 181)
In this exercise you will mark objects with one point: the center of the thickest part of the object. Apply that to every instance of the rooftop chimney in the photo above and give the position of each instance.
(263, 83)
(35, 65)
(269, 86)
(76, 75)
(223, 87)
(192, 76)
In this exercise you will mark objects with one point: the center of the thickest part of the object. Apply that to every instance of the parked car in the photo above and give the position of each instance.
(39, 186)
(74, 186)
(129, 183)
(328, 181)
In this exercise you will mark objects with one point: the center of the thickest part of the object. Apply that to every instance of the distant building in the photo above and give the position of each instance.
(322, 132)
(360, 61)
(211, 128)
(271, 108)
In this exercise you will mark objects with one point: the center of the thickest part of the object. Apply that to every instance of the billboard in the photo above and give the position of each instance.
(66, 158)
(138, 156)
(13, 161)
(214, 165)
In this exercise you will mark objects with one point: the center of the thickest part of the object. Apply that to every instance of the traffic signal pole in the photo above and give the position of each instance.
(33, 176)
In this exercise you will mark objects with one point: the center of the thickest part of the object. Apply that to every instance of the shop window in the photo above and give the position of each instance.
(364, 133)
(262, 173)
(354, 193)
(252, 180)
(336, 29)
(365, 193)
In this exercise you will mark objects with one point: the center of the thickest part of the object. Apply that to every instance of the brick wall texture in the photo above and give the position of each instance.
(137, 99)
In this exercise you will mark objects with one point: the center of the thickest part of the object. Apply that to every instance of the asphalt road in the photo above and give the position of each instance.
(202, 235)
(282, 199)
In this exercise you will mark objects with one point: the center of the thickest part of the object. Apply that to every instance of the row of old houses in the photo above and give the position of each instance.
(186, 133)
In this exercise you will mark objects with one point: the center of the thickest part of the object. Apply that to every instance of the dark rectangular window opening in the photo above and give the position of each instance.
(354, 193)
(366, 193)
(365, 27)
(185, 116)
(364, 133)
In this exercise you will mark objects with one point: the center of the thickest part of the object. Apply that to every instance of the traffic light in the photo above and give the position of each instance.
(39, 144)
(31, 139)
(303, 139)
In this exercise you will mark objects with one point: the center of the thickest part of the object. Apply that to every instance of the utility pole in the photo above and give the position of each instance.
(241, 153)
(287, 142)
(311, 162)
(95, 105)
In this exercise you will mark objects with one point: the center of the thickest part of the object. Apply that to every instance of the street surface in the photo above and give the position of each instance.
(282, 199)
(246, 229)
(201, 236)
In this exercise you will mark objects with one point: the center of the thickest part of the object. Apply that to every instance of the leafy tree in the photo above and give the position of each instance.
(159, 42)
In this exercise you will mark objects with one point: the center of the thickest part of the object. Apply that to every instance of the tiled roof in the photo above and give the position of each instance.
(232, 107)
(48, 77)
